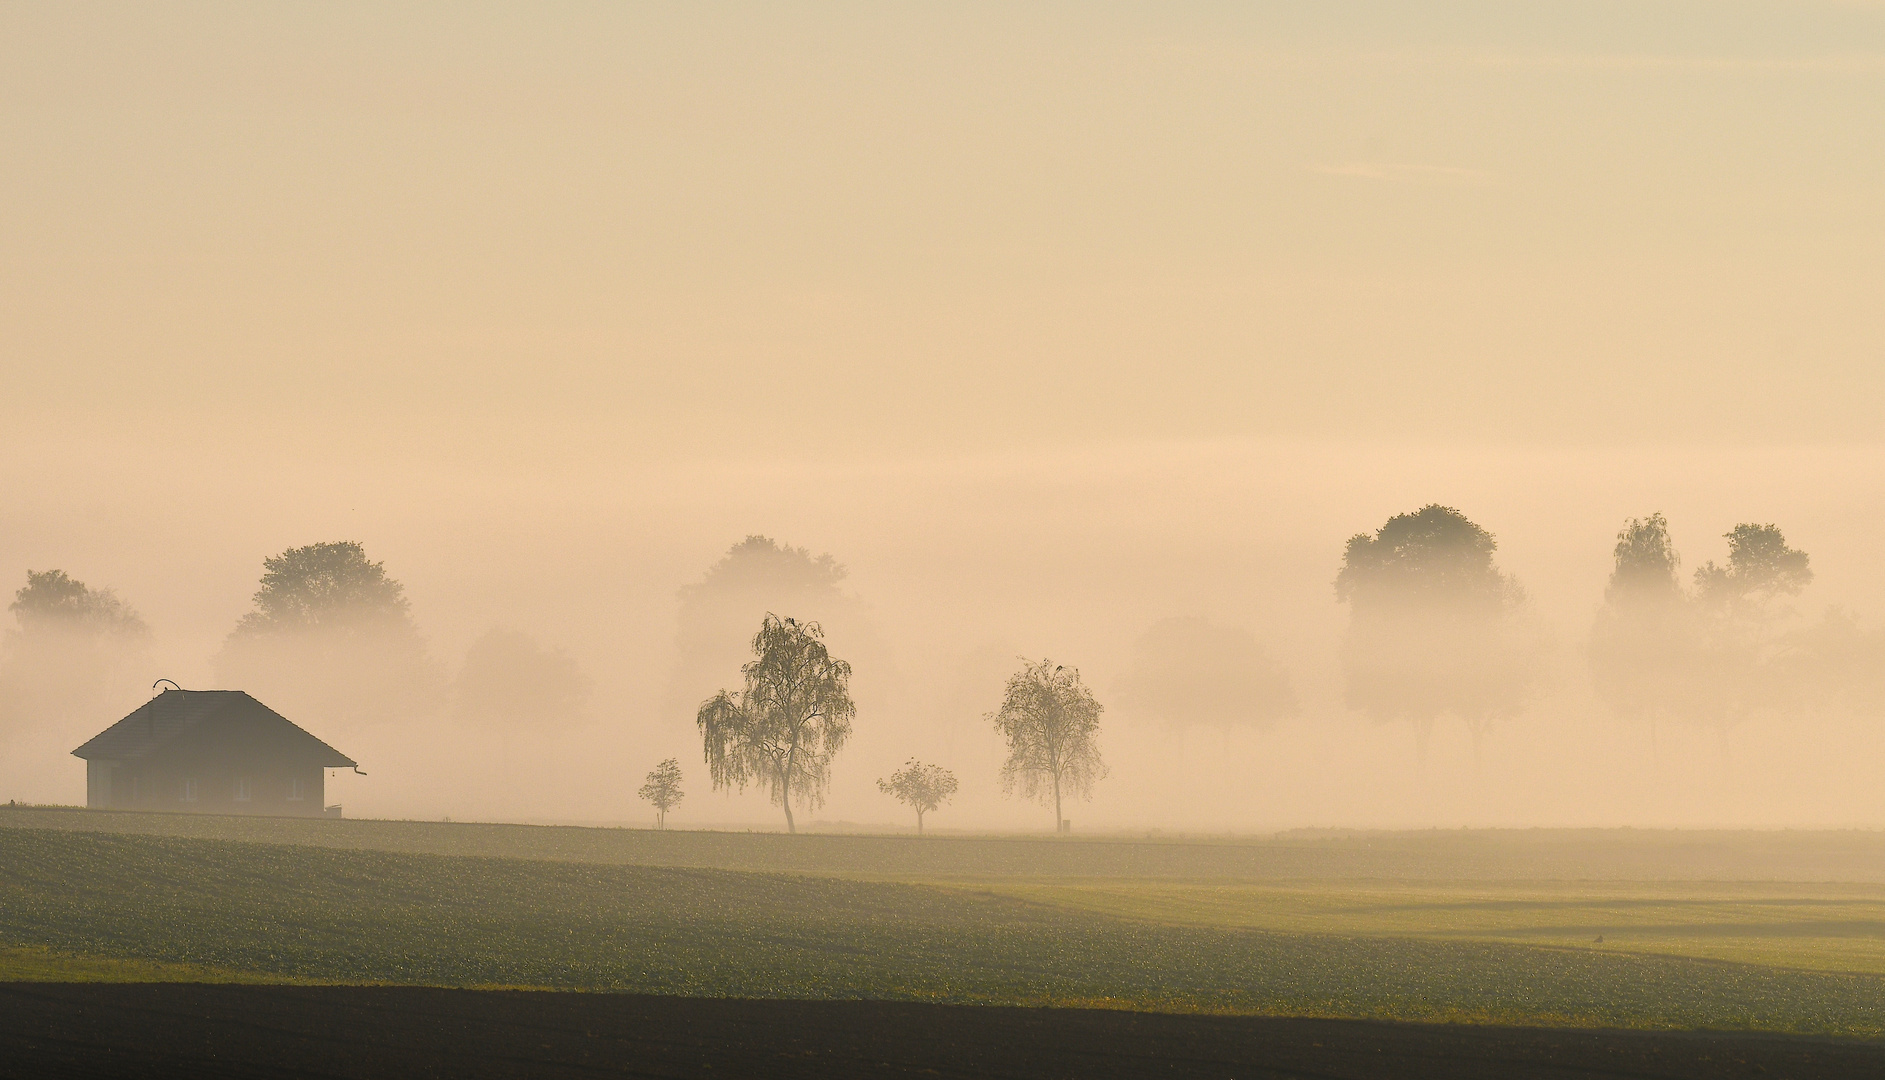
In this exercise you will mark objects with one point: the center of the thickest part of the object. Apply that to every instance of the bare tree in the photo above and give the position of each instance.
(1052, 723)
(663, 789)
(791, 719)
(920, 787)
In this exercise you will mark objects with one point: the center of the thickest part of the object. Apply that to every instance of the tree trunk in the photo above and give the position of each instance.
(785, 788)
(1059, 822)
(919, 823)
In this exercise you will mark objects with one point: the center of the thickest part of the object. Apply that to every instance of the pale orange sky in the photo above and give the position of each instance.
(1047, 322)
(867, 229)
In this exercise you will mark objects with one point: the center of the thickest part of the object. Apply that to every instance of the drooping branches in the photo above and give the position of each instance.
(783, 729)
(1052, 723)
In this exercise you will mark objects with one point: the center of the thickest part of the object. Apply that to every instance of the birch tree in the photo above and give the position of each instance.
(1052, 724)
(783, 729)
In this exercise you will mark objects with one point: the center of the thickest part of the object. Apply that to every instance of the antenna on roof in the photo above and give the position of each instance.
(173, 685)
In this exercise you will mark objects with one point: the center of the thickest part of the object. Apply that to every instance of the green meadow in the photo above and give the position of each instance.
(1483, 927)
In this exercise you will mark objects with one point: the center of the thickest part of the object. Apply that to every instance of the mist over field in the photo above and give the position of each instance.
(1087, 335)
(954, 570)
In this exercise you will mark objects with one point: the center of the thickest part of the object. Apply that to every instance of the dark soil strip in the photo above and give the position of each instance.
(57, 1030)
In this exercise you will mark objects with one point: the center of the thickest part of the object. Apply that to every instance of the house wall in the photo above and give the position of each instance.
(98, 776)
(203, 771)
(212, 784)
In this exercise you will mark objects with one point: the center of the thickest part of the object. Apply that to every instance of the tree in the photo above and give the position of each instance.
(1643, 642)
(509, 680)
(755, 576)
(71, 655)
(1433, 625)
(663, 789)
(1190, 671)
(1741, 604)
(783, 729)
(920, 787)
(52, 602)
(331, 635)
(1051, 722)
(1761, 569)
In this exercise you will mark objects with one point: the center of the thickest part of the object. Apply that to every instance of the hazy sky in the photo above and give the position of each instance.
(1047, 320)
(875, 228)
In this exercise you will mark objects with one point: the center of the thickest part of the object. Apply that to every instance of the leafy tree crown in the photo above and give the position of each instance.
(1760, 568)
(760, 562)
(663, 788)
(325, 586)
(53, 601)
(793, 716)
(1051, 722)
(1646, 563)
(920, 787)
(1433, 555)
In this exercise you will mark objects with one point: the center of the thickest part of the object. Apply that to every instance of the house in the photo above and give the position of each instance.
(212, 752)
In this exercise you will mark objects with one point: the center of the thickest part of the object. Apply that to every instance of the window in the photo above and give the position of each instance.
(297, 789)
(242, 789)
(189, 789)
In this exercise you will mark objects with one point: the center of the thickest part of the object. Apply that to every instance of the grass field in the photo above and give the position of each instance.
(1438, 855)
(1789, 899)
(170, 905)
(1823, 926)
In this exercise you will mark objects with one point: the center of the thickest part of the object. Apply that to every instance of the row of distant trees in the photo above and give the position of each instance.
(782, 729)
(1727, 644)
(330, 634)
(1437, 632)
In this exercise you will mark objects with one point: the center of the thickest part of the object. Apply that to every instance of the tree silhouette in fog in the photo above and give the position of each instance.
(1433, 625)
(1190, 671)
(510, 681)
(663, 789)
(717, 613)
(1760, 570)
(1743, 610)
(1832, 666)
(325, 586)
(788, 722)
(1719, 652)
(1644, 643)
(1051, 722)
(920, 787)
(331, 638)
(51, 602)
(70, 658)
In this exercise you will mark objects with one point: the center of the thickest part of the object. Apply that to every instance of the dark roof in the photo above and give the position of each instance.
(174, 712)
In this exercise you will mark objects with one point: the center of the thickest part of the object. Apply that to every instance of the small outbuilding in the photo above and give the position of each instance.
(212, 752)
